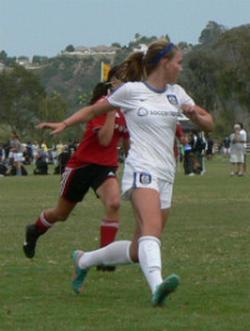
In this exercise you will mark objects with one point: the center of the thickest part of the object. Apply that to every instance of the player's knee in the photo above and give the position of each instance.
(114, 204)
(134, 256)
(133, 252)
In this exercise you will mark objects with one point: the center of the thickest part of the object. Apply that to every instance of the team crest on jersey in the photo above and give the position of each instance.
(172, 99)
(145, 178)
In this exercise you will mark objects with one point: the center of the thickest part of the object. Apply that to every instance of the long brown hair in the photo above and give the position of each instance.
(139, 65)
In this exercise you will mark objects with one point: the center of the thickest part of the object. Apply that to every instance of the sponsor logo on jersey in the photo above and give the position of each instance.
(145, 178)
(172, 99)
(142, 112)
(157, 112)
(164, 113)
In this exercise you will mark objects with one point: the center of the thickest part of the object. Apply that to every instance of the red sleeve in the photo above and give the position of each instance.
(126, 135)
(179, 131)
(98, 122)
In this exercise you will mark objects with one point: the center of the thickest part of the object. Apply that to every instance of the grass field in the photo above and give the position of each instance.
(207, 242)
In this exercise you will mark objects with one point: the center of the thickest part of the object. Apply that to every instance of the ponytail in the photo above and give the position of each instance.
(134, 67)
(139, 65)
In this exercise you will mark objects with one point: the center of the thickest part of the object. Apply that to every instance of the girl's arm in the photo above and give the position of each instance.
(105, 133)
(126, 145)
(83, 115)
(198, 116)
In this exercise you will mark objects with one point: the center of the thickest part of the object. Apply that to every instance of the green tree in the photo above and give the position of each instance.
(211, 33)
(38, 59)
(70, 48)
(3, 56)
(118, 45)
(21, 91)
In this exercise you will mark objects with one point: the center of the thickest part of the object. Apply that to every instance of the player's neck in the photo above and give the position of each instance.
(157, 80)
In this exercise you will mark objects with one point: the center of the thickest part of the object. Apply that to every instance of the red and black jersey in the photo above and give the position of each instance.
(90, 151)
(179, 133)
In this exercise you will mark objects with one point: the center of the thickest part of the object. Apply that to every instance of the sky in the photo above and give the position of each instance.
(46, 27)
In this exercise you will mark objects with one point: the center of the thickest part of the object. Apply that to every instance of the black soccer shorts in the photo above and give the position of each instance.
(76, 182)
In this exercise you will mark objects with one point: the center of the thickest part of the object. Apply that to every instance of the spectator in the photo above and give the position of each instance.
(198, 145)
(237, 151)
(2, 153)
(62, 161)
(41, 165)
(226, 146)
(16, 154)
(210, 146)
(188, 157)
(243, 134)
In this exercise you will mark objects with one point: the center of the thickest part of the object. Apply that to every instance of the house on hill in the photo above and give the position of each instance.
(91, 51)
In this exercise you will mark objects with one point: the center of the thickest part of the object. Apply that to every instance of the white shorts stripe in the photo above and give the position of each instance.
(65, 177)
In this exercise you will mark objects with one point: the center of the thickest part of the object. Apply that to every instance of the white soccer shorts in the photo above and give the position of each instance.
(133, 179)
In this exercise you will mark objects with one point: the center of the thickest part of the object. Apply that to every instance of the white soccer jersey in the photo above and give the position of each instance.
(151, 117)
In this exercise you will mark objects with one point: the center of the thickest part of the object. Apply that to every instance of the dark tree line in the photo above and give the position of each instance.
(217, 74)
(24, 102)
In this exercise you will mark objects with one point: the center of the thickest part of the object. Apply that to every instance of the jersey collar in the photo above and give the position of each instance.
(154, 89)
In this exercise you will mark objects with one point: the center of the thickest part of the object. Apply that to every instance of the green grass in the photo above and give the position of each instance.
(206, 242)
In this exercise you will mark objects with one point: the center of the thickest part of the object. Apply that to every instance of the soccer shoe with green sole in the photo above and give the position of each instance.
(163, 290)
(79, 274)
(31, 236)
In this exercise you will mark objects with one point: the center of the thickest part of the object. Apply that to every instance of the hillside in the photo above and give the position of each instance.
(216, 73)
(74, 76)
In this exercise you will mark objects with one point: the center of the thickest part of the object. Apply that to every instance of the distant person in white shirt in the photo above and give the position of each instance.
(244, 137)
(16, 153)
(151, 105)
(237, 151)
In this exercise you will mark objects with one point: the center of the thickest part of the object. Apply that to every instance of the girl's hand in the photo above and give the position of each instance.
(56, 127)
(188, 110)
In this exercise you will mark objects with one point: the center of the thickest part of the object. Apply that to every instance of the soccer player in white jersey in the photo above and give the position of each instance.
(151, 103)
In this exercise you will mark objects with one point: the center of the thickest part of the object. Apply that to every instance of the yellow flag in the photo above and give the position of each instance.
(105, 68)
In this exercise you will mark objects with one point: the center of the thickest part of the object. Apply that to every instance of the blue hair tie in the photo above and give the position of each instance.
(162, 53)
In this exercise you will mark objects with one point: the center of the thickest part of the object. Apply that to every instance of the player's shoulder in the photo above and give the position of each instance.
(130, 88)
(175, 88)
(104, 97)
(134, 85)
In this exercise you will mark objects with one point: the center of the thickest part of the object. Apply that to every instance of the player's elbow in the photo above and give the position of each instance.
(208, 124)
(104, 143)
(103, 140)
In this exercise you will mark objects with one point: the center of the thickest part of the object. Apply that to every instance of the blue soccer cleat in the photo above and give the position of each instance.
(163, 290)
(79, 274)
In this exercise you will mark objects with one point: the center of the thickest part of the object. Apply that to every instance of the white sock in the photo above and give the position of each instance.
(116, 253)
(150, 260)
